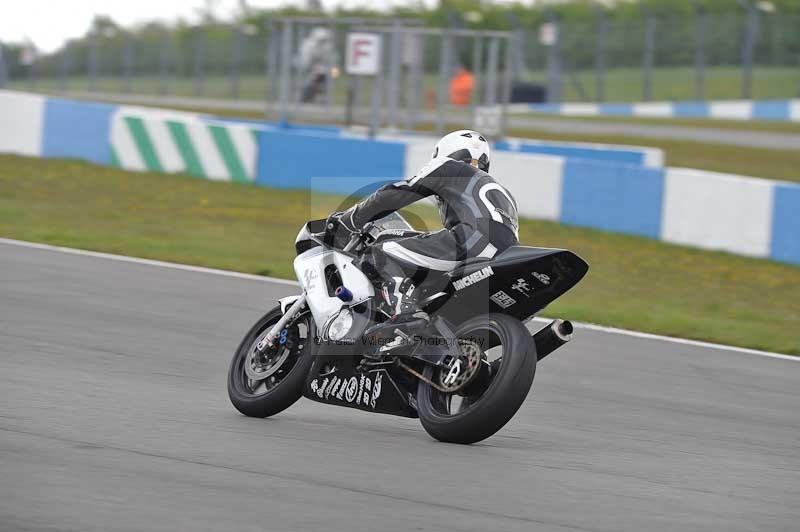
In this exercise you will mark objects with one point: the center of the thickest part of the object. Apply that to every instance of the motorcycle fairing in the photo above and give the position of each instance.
(372, 391)
(520, 281)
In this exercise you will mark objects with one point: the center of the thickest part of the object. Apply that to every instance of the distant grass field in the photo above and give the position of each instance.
(633, 282)
(757, 162)
(678, 83)
(699, 123)
(621, 85)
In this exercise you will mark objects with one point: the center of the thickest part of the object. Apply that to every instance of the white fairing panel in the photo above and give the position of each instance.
(310, 270)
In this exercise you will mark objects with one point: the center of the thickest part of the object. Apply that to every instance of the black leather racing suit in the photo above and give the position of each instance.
(478, 214)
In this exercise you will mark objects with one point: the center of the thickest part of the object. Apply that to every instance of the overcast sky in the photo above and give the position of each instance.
(48, 23)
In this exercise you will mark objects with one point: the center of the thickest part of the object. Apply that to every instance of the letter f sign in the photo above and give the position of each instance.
(361, 48)
(363, 54)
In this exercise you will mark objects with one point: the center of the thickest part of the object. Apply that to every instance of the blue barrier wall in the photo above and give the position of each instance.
(338, 165)
(626, 199)
(621, 156)
(786, 224)
(78, 130)
(781, 110)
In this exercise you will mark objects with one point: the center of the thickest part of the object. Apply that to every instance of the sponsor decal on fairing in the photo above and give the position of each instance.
(523, 287)
(473, 278)
(502, 299)
(542, 278)
(361, 390)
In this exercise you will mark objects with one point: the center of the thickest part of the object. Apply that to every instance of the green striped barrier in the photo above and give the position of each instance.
(182, 143)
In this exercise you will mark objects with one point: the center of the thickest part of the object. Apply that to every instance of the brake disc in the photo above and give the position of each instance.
(461, 371)
(260, 366)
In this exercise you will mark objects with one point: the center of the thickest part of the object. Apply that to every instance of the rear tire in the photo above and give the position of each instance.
(285, 392)
(504, 394)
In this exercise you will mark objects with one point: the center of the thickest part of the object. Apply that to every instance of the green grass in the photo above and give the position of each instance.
(707, 123)
(633, 282)
(677, 83)
(622, 84)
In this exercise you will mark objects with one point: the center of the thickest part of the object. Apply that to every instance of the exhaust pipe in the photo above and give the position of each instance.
(552, 337)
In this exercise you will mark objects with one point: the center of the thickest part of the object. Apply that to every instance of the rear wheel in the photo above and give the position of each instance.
(491, 397)
(261, 385)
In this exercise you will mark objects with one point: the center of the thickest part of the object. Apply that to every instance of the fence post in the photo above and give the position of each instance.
(236, 58)
(517, 47)
(647, 58)
(555, 80)
(444, 79)
(506, 88)
(127, 64)
(92, 64)
(700, 27)
(163, 67)
(377, 94)
(199, 66)
(332, 62)
(395, 58)
(271, 64)
(600, 55)
(477, 58)
(286, 70)
(415, 96)
(302, 33)
(748, 47)
(490, 94)
(65, 67)
(3, 71)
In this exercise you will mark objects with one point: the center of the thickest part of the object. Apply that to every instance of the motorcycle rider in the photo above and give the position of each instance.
(478, 214)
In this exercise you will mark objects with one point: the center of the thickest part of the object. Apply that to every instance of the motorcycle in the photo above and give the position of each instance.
(464, 371)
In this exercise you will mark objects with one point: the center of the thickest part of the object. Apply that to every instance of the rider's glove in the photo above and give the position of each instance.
(338, 228)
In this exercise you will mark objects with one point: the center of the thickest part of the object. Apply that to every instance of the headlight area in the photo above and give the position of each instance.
(339, 325)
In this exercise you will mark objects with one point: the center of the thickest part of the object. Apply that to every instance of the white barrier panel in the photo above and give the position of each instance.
(168, 142)
(418, 153)
(794, 111)
(580, 109)
(21, 123)
(535, 181)
(733, 110)
(653, 109)
(717, 211)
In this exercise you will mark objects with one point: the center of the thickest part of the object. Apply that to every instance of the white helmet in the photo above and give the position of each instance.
(465, 145)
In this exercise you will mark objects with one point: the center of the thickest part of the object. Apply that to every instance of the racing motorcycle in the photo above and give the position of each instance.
(463, 370)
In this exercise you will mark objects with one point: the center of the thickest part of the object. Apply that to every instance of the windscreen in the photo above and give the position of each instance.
(393, 221)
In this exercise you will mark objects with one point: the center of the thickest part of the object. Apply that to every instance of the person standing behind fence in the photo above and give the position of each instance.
(461, 86)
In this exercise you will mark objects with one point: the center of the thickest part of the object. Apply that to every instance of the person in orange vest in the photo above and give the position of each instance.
(461, 86)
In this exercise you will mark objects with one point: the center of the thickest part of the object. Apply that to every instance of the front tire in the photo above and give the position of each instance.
(279, 391)
(493, 405)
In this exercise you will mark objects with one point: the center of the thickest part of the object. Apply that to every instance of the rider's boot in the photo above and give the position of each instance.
(406, 317)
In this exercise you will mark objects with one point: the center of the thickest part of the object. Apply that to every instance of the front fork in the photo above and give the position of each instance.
(290, 314)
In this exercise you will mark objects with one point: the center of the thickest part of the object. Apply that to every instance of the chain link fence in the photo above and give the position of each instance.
(749, 53)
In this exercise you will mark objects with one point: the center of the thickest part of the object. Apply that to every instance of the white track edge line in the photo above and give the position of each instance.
(147, 262)
(286, 282)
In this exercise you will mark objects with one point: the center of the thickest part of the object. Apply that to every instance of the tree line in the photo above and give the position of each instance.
(179, 47)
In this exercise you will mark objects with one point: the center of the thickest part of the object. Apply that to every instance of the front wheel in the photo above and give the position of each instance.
(261, 385)
(481, 408)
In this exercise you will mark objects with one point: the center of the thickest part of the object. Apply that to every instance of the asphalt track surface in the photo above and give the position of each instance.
(573, 126)
(114, 416)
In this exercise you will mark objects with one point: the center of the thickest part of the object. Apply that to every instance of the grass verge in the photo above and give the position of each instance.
(633, 283)
(696, 123)
(782, 165)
